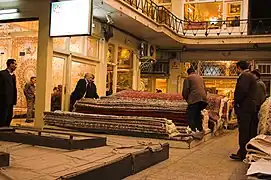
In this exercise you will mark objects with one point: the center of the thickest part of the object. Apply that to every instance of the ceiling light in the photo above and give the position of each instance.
(8, 11)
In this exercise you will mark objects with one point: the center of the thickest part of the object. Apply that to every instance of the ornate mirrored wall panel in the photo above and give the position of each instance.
(19, 40)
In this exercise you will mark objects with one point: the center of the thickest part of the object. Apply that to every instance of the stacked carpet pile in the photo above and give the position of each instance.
(148, 95)
(172, 110)
(264, 126)
(259, 156)
(127, 125)
(138, 113)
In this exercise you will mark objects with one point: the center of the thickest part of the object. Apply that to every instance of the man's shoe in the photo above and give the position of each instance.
(236, 157)
(198, 135)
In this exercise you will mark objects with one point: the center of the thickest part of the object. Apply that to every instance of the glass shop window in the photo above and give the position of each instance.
(59, 43)
(213, 69)
(198, 12)
(233, 14)
(92, 47)
(77, 44)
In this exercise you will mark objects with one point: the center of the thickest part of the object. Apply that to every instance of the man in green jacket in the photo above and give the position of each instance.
(30, 94)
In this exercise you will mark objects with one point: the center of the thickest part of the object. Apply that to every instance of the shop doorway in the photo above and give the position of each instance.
(67, 70)
(161, 85)
(58, 82)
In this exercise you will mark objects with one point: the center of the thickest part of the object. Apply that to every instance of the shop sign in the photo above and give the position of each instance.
(71, 18)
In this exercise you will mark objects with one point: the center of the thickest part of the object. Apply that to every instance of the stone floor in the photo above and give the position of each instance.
(29, 162)
(207, 161)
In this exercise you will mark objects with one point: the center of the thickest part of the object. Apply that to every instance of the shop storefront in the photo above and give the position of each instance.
(72, 58)
(122, 63)
(19, 40)
(218, 16)
(265, 69)
(220, 76)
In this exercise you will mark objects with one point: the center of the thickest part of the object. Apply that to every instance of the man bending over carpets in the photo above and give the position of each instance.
(194, 92)
(85, 88)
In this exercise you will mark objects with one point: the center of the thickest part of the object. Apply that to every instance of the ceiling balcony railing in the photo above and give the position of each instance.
(234, 26)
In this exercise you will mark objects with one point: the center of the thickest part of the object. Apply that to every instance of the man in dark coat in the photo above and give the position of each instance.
(8, 93)
(194, 92)
(260, 96)
(85, 88)
(245, 107)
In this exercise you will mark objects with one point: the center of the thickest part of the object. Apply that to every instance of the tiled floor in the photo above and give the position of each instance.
(209, 161)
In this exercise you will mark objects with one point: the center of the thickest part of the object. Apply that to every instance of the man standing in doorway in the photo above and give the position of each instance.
(30, 94)
(194, 92)
(8, 93)
(85, 88)
(245, 107)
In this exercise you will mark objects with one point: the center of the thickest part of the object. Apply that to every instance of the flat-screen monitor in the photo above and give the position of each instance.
(71, 18)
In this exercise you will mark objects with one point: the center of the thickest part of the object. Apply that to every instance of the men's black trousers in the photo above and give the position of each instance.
(247, 126)
(194, 115)
(6, 114)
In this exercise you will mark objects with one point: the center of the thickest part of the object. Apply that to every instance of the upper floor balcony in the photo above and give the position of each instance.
(216, 27)
(159, 26)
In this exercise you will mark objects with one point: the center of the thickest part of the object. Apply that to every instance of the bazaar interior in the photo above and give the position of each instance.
(139, 83)
(19, 40)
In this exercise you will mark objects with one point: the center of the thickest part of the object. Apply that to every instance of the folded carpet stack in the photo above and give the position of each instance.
(259, 148)
(259, 156)
(172, 110)
(264, 126)
(112, 124)
(130, 112)
(148, 95)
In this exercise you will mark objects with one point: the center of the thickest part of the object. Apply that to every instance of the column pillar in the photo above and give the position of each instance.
(178, 8)
(101, 79)
(44, 68)
(135, 72)
(115, 68)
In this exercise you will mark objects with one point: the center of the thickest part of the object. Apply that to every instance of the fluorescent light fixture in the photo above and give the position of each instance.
(8, 11)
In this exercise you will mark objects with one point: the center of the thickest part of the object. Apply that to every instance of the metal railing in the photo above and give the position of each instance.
(163, 16)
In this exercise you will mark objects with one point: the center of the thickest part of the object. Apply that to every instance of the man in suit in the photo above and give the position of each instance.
(8, 93)
(245, 107)
(85, 88)
(194, 92)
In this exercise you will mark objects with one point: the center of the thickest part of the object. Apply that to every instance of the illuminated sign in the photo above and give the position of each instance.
(71, 18)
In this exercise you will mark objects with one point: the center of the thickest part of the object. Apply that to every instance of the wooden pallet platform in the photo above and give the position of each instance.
(124, 166)
(59, 140)
(4, 159)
